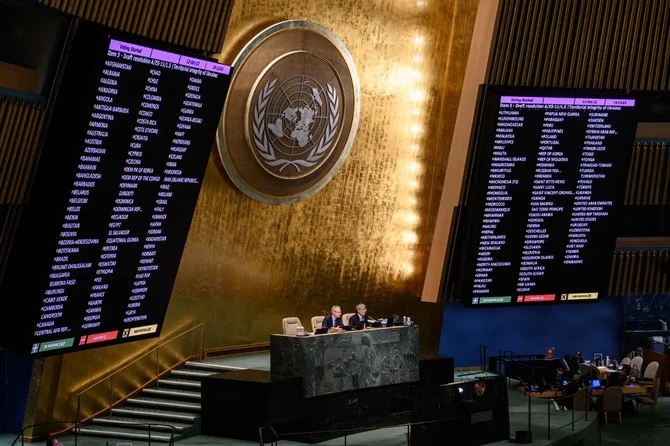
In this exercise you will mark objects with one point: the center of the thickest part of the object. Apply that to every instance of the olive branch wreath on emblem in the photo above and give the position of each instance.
(266, 150)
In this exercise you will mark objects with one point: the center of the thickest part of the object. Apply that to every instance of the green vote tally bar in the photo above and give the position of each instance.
(55, 345)
(493, 300)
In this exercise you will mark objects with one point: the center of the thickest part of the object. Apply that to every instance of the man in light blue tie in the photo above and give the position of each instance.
(360, 319)
(334, 320)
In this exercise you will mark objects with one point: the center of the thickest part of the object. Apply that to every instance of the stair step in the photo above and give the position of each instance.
(162, 403)
(192, 374)
(130, 434)
(165, 426)
(172, 393)
(154, 414)
(212, 366)
(188, 383)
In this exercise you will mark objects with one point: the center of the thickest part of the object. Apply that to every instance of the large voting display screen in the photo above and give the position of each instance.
(545, 184)
(124, 156)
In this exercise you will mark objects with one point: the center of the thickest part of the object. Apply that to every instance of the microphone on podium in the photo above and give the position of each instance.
(374, 322)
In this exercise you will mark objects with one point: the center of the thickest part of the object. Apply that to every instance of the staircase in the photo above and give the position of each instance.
(174, 401)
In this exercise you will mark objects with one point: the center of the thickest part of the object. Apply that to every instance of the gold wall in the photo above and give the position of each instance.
(364, 237)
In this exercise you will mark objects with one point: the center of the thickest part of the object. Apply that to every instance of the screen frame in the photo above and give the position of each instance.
(463, 234)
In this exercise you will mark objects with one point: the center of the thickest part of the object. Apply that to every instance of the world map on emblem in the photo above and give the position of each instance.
(291, 113)
(295, 124)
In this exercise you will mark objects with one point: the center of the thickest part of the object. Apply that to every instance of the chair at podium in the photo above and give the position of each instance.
(317, 322)
(290, 325)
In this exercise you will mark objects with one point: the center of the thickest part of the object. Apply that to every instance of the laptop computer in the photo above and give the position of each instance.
(595, 384)
(386, 321)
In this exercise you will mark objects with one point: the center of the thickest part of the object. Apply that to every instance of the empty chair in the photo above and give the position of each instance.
(317, 322)
(625, 360)
(267, 435)
(651, 371)
(346, 317)
(651, 399)
(636, 362)
(289, 324)
(612, 401)
(580, 401)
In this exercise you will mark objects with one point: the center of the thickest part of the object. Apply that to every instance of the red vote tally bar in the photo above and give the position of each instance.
(99, 337)
(538, 298)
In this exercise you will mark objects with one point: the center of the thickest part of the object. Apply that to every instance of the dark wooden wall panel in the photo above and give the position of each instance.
(582, 43)
(197, 24)
(639, 272)
(648, 180)
(20, 126)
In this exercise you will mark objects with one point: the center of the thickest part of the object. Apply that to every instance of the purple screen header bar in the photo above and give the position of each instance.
(521, 100)
(166, 56)
(620, 102)
(566, 101)
(589, 101)
(559, 101)
(129, 48)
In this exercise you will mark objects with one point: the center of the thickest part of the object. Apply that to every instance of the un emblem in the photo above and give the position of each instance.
(301, 127)
(291, 113)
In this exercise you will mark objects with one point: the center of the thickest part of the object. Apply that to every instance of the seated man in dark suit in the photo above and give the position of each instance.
(360, 319)
(620, 378)
(334, 319)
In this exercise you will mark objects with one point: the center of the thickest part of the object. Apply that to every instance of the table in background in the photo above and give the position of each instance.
(633, 389)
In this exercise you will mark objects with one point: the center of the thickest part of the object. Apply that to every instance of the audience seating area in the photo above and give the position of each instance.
(599, 387)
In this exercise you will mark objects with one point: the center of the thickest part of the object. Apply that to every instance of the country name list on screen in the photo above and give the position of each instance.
(139, 166)
(550, 187)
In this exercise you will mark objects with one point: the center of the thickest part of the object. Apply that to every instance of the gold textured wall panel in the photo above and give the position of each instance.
(364, 237)
(198, 24)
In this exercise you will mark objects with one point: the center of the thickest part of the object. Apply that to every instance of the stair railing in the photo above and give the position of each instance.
(117, 375)
(22, 436)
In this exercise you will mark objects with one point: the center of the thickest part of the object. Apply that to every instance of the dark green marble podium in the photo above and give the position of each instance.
(340, 362)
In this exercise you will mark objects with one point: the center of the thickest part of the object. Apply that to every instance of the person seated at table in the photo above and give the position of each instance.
(334, 319)
(571, 388)
(574, 360)
(360, 319)
(620, 378)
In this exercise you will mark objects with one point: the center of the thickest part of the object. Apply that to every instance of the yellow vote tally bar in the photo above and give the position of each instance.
(582, 296)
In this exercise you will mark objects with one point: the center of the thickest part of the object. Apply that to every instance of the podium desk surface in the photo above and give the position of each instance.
(339, 362)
